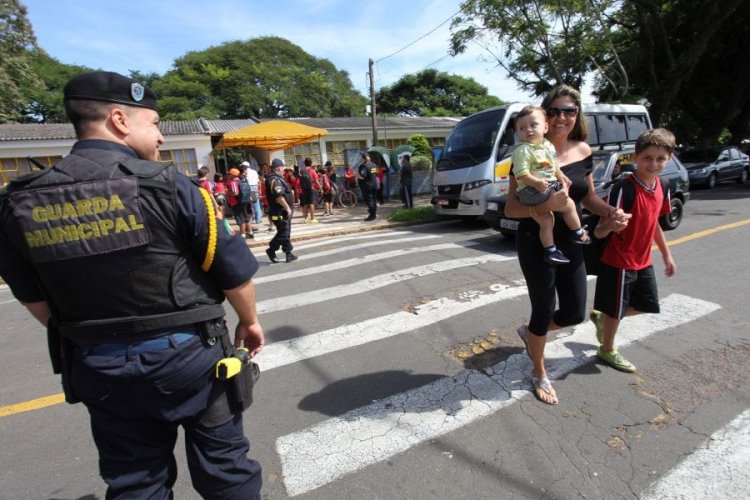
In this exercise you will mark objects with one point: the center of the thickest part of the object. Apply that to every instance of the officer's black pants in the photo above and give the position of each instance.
(368, 193)
(282, 238)
(136, 403)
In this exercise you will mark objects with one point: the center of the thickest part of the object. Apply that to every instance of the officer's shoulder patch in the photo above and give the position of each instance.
(143, 168)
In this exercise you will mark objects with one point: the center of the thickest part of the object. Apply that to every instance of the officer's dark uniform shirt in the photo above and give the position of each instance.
(368, 171)
(276, 186)
(40, 277)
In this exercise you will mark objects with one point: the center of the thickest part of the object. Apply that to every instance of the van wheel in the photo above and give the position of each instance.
(674, 217)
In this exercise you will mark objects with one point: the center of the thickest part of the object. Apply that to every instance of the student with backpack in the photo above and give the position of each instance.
(626, 282)
(239, 209)
(247, 197)
(310, 184)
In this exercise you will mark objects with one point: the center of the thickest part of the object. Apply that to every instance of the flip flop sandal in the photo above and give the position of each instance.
(543, 384)
(523, 332)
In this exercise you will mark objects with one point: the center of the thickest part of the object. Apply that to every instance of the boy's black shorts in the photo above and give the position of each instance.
(616, 289)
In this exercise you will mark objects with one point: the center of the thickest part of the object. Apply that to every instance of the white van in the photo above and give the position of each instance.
(475, 161)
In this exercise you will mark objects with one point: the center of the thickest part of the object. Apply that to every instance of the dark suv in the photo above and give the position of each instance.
(605, 171)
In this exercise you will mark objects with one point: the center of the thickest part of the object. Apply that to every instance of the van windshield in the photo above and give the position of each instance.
(471, 142)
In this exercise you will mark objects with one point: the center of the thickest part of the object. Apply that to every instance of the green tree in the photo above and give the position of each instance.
(539, 43)
(45, 103)
(684, 58)
(421, 159)
(16, 37)
(265, 77)
(433, 93)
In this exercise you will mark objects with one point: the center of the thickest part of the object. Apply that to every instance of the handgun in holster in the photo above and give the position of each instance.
(239, 373)
(61, 356)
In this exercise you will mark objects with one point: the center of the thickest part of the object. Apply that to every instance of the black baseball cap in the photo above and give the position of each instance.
(107, 86)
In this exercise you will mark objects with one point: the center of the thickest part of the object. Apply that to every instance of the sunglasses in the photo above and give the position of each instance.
(567, 112)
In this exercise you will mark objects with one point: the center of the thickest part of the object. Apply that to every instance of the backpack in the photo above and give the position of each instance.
(592, 254)
(245, 195)
(305, 180)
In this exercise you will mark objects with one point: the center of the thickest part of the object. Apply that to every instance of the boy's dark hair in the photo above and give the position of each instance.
(203, 171)
(526, 111)
(218, 177)
(580, 130)
(655, 137)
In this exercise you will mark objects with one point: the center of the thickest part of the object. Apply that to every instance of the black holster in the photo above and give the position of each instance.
(61, 357)
(235, 394)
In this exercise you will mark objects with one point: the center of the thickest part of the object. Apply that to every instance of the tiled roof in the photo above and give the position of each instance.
(36, 131)
(218, 127)
(365, 122)
(49, 131)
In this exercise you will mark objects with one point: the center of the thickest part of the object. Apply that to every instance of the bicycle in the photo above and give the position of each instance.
(342, 197)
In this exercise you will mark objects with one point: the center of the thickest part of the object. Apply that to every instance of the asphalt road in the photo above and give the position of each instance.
(393, 371)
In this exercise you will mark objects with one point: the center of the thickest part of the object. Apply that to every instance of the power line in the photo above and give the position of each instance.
(421, 37)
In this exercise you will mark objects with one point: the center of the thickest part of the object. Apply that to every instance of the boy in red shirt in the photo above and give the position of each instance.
(626, 283)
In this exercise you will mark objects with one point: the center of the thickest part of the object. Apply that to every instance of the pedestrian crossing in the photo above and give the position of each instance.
(343, 445)
(453, 281)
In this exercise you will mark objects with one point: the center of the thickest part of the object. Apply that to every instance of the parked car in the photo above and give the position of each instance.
(607, 162)
(707, 166)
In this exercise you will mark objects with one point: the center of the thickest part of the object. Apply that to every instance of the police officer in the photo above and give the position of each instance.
(125, 261)
(367, 176)
(280, 199)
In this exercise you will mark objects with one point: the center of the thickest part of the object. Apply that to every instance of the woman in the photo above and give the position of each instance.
(568, 133)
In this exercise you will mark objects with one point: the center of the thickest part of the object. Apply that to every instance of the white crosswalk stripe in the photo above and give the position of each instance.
(344, 337)
(373, 283)
(315, 456)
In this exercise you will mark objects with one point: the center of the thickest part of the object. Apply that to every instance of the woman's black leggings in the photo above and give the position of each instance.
(543, 280)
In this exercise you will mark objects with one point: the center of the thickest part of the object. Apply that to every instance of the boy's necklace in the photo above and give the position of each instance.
(643, 184)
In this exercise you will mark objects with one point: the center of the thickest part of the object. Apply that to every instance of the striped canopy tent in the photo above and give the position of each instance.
(272, 135)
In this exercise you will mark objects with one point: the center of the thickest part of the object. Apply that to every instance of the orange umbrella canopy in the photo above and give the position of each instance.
(272, 135)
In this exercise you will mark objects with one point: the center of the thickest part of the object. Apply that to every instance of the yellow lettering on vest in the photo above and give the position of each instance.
(115, 203)
(84, 207)
(121, 226)
(50, 238)
(84, 231)
(100, 204)
(54, 212)
(69, 211)
(134, 224)
(105, 225)
(39, 214)
(95, 230)
(34, 238)
(61, 234)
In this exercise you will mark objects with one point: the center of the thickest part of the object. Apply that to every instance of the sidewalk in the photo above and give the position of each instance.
(343, 221)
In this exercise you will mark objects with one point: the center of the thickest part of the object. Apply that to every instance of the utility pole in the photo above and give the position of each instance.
(373, 113)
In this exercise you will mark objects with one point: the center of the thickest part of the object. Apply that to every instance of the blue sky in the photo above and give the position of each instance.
(148, 35)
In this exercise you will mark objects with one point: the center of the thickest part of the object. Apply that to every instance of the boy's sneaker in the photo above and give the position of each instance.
(556, 258)
(290, 257)
(314, 221)
(598, 319)
(615, 360)
(250, 236)
(580, 237)
(271, 255)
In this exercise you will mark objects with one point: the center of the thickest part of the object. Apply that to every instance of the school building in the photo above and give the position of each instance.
(25, 147)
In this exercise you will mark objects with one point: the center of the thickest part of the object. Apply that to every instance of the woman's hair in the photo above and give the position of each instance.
(580, 130)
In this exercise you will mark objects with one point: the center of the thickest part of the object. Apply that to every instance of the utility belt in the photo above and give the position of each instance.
(235, 372)
(279, 217)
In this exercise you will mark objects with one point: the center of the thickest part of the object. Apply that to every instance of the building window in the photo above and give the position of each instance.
(11, 168)
(185, 159)
(335, 150)
(297, 154)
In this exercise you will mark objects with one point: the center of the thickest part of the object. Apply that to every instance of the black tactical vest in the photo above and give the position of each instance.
(100, 229)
